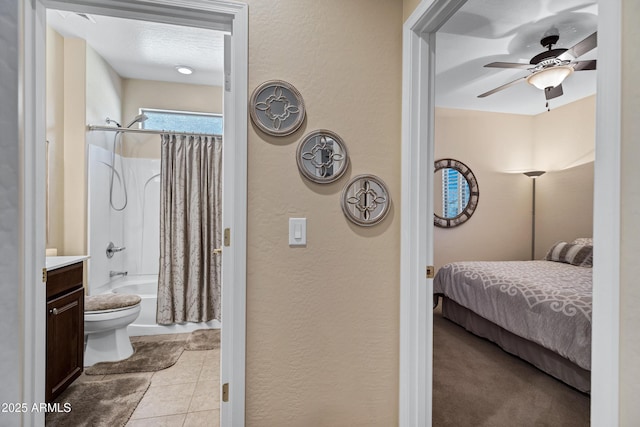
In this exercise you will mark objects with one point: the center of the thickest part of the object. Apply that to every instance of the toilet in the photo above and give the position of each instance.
(106, 317)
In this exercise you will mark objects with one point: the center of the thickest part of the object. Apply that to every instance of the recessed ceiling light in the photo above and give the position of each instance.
(183, 69)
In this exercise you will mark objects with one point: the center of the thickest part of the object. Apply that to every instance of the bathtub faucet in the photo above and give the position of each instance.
(111, 249)
(117, 273)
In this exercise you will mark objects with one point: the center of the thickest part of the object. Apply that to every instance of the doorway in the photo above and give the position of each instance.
(417, 210)
(229, 17)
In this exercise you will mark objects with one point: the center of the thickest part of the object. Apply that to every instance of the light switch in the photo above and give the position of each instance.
(297, 231)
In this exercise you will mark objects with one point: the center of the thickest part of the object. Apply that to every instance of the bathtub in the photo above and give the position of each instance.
(146, 286)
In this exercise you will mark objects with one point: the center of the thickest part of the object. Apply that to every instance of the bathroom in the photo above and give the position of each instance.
(103, 187)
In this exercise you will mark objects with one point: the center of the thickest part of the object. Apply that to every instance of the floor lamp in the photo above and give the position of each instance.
(533, 175)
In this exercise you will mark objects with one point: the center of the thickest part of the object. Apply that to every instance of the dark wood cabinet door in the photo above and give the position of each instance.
(65, 341)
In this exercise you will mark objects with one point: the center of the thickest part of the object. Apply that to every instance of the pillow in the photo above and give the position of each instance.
(569, 253)
(583, 241)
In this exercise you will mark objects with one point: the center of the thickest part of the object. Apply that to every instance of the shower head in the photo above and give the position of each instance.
(139, 118)
(109, 121)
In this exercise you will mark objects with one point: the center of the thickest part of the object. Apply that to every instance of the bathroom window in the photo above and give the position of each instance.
(182, 121)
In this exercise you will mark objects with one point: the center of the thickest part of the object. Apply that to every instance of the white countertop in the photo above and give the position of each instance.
(53, 262)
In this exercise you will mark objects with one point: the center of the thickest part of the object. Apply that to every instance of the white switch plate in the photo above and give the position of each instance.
(297, 231)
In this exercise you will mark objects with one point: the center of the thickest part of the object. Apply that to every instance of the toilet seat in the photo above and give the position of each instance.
(110, 302)
(91, 313)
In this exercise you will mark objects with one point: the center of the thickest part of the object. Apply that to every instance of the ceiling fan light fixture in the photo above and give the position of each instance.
(550, 77)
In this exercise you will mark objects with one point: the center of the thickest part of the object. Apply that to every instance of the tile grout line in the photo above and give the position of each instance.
(192, 396)
(194, 389)
(167, 415)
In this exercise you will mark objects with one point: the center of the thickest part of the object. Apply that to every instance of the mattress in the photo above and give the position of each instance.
(545, 302)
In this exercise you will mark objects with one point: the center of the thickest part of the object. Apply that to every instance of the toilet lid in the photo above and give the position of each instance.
(110, 301)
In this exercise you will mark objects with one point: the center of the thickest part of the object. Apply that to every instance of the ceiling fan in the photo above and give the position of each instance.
(549, 68)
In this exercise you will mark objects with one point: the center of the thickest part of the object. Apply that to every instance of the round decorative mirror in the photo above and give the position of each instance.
(457, 193)
(322, 156)
(365, 200)
(277, 108)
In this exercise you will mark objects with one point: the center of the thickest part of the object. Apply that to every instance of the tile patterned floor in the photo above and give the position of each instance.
(186, 394)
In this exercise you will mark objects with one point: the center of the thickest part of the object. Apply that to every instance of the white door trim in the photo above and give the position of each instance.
(233, 336)
(215, 14)
(32, 190)
(418, 114)
(416, 322)
(605, 334)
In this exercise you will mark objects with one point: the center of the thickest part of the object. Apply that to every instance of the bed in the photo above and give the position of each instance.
(537, 310)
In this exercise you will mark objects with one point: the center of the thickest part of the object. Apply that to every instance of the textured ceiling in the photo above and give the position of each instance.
(484, 31)
(148, 50)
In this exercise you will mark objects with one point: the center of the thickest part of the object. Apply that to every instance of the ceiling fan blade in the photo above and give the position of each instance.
(504, 86)
(508, 65)
(584, 65)
(553, 92)
(581, 48)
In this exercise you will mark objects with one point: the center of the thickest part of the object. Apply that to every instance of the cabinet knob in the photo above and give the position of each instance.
(54, 311)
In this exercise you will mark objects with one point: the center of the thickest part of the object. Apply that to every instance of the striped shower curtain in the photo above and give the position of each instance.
(190, 222)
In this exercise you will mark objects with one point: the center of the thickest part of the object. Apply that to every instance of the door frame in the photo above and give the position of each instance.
(418, 124)
(220, 15)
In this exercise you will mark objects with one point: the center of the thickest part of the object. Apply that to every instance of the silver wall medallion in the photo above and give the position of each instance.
(322, 156)
(459, 191)
(365, 200)
(277, 108)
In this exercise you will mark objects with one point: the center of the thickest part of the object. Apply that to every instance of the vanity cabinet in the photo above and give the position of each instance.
(65, 328)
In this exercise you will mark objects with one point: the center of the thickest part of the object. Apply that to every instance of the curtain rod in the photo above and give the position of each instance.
(149, 131)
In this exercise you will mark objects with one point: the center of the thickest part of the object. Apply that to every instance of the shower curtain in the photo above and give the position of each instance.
(190, 222)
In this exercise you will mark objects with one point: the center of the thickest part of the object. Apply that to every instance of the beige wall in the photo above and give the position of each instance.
(564, 206)
(81, 88)
(630, 219)
(496, 147)
(323, 320)
(75, 206)
(564, 146)
(55, 138)
(162, 95)
(565, 136)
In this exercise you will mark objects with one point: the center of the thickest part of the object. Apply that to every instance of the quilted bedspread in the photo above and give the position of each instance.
(546, 302)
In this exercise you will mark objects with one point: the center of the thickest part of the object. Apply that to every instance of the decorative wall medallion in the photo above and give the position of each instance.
(322, 156)
(277, 108)
(459, 193)
(365, 200)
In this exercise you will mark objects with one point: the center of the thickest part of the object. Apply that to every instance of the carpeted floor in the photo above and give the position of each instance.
(107, 403)
(477, 384)
(148, 356)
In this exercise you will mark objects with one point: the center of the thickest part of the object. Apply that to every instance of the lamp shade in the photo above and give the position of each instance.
(534, 174)
(550, 77)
